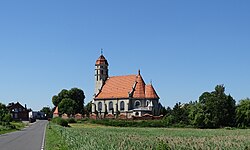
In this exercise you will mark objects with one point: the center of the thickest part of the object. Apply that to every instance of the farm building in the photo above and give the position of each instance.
(18, 112)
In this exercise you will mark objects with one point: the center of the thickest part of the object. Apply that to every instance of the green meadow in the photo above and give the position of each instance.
(92, 137)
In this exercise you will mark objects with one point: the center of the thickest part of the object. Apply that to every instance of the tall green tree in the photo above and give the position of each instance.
(70, 101)
(197, 115)
(3, 111)
(47, 111)
(243, 113)
(163, 111)
(78, 96)
(56, 100)
(216, 109)
(68, 106)
(88, 108)
(4, 114)
(180, 113)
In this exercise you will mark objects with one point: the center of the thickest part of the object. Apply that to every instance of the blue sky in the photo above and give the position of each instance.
(184, 47)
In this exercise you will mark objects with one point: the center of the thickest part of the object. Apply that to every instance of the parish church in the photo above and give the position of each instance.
(126, 95)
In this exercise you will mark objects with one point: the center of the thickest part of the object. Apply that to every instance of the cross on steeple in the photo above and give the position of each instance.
(101, 51)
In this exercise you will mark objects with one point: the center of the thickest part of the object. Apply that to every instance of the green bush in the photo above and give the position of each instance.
(60, 121)
(130, 123)
(83, 120)
(71, 120)
(7, 118)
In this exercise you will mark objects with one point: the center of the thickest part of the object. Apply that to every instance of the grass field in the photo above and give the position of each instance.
(93, 137)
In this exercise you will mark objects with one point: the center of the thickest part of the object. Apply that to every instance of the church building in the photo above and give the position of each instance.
(126, 95)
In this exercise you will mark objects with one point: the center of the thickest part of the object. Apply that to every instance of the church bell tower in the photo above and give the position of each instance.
(101, 72)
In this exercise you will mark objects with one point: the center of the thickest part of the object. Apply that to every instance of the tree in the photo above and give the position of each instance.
(78, 96)
(56, 100)
(47, 111)
(163, 111)
(168, 117)
(243, 113)
(180, 113)
(74, 100)
(216, 109)
(4, 114)
(88, 108)
(196, 115)
(67, 106)
(3, 111)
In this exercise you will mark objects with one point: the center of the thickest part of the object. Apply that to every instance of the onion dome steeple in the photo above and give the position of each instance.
(101, 61)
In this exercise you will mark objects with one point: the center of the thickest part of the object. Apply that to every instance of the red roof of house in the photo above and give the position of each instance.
(122, 86)
(101, 60)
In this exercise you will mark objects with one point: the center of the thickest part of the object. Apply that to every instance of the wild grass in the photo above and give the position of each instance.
(92, 137)
(10, 127)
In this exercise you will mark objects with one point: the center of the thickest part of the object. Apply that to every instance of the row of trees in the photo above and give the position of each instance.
(212, 110)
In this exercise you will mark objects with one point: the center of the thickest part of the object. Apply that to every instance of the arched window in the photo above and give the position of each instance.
(100, 106)
(137, 104)
(122, 105)
(110, 105)
(147, 103)
(136, 113)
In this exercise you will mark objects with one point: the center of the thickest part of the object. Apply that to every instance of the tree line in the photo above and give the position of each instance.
(213, 110)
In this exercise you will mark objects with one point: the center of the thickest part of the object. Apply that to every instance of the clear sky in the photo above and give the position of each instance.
(184, 47)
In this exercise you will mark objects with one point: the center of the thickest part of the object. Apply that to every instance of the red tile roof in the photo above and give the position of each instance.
(101, 60)
(139, 91)
(122, 86)
(150, 92)
(117, 87)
